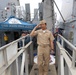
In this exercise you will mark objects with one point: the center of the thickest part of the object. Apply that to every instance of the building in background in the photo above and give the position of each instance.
(35, 18)
(20, 12)
(27, 12)
(48, 13)
(41, 11)
(8, 8)
(38, 14)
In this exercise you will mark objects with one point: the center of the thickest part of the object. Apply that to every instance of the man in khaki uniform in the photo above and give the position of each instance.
(45, 44)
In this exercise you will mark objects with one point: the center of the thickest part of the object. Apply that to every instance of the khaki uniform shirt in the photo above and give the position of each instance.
(44, 37)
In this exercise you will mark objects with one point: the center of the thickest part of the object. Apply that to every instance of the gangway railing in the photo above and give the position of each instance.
(14, 60)
(64, 61)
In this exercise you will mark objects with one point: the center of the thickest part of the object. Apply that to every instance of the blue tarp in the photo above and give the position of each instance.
(14, 23)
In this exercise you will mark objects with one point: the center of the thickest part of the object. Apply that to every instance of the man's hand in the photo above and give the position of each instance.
(33, 31)
(52, 52)
(38, 26)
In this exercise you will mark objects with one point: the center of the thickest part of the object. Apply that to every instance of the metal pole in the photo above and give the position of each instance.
(59, 10)
(62, 64)
(73, 58)
(23, 58)
(22, 65)
(26, 63)
(31, 54)
(62, 42)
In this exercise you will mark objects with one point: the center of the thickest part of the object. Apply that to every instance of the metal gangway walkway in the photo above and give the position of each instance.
(14, 60)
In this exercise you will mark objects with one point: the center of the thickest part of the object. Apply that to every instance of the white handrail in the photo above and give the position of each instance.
(68, 62)
(71, 45)
(62, 52)
(73, 49)
(13, 42)
(13, 59)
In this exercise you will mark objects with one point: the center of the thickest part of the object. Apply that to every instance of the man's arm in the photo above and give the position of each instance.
(33, 31)
(52, 45)
(51, 41)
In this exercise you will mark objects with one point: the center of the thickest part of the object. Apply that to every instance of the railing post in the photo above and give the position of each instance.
(22, 65)
(61, 58)
(31, 54)
(66, 69)
(58, 61)
(62, 64)
(23, 42)
(62, 43)
(5, 56)
(26, 63)
(73, 58)
(17, 66)
(23, 59)
(14, 68)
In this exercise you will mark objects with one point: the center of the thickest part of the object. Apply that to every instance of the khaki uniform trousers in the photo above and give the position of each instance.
(43, 59)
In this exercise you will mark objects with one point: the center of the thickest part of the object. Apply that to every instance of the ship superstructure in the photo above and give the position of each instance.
(68, 27)
(8, 8)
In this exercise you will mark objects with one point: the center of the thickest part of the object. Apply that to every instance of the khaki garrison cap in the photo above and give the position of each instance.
(42, 22)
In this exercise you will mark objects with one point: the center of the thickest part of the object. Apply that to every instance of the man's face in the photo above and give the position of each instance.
(43, 26)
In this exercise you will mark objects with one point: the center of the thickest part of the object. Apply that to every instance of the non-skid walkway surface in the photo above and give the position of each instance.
(52, 70)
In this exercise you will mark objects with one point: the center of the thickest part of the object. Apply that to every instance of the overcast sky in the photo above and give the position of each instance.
(59, 4)
(62, 4)
(33, 3)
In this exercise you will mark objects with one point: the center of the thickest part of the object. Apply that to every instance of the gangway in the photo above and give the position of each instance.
(14, 60)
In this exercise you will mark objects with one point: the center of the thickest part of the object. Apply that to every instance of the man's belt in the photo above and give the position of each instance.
(44, 45)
